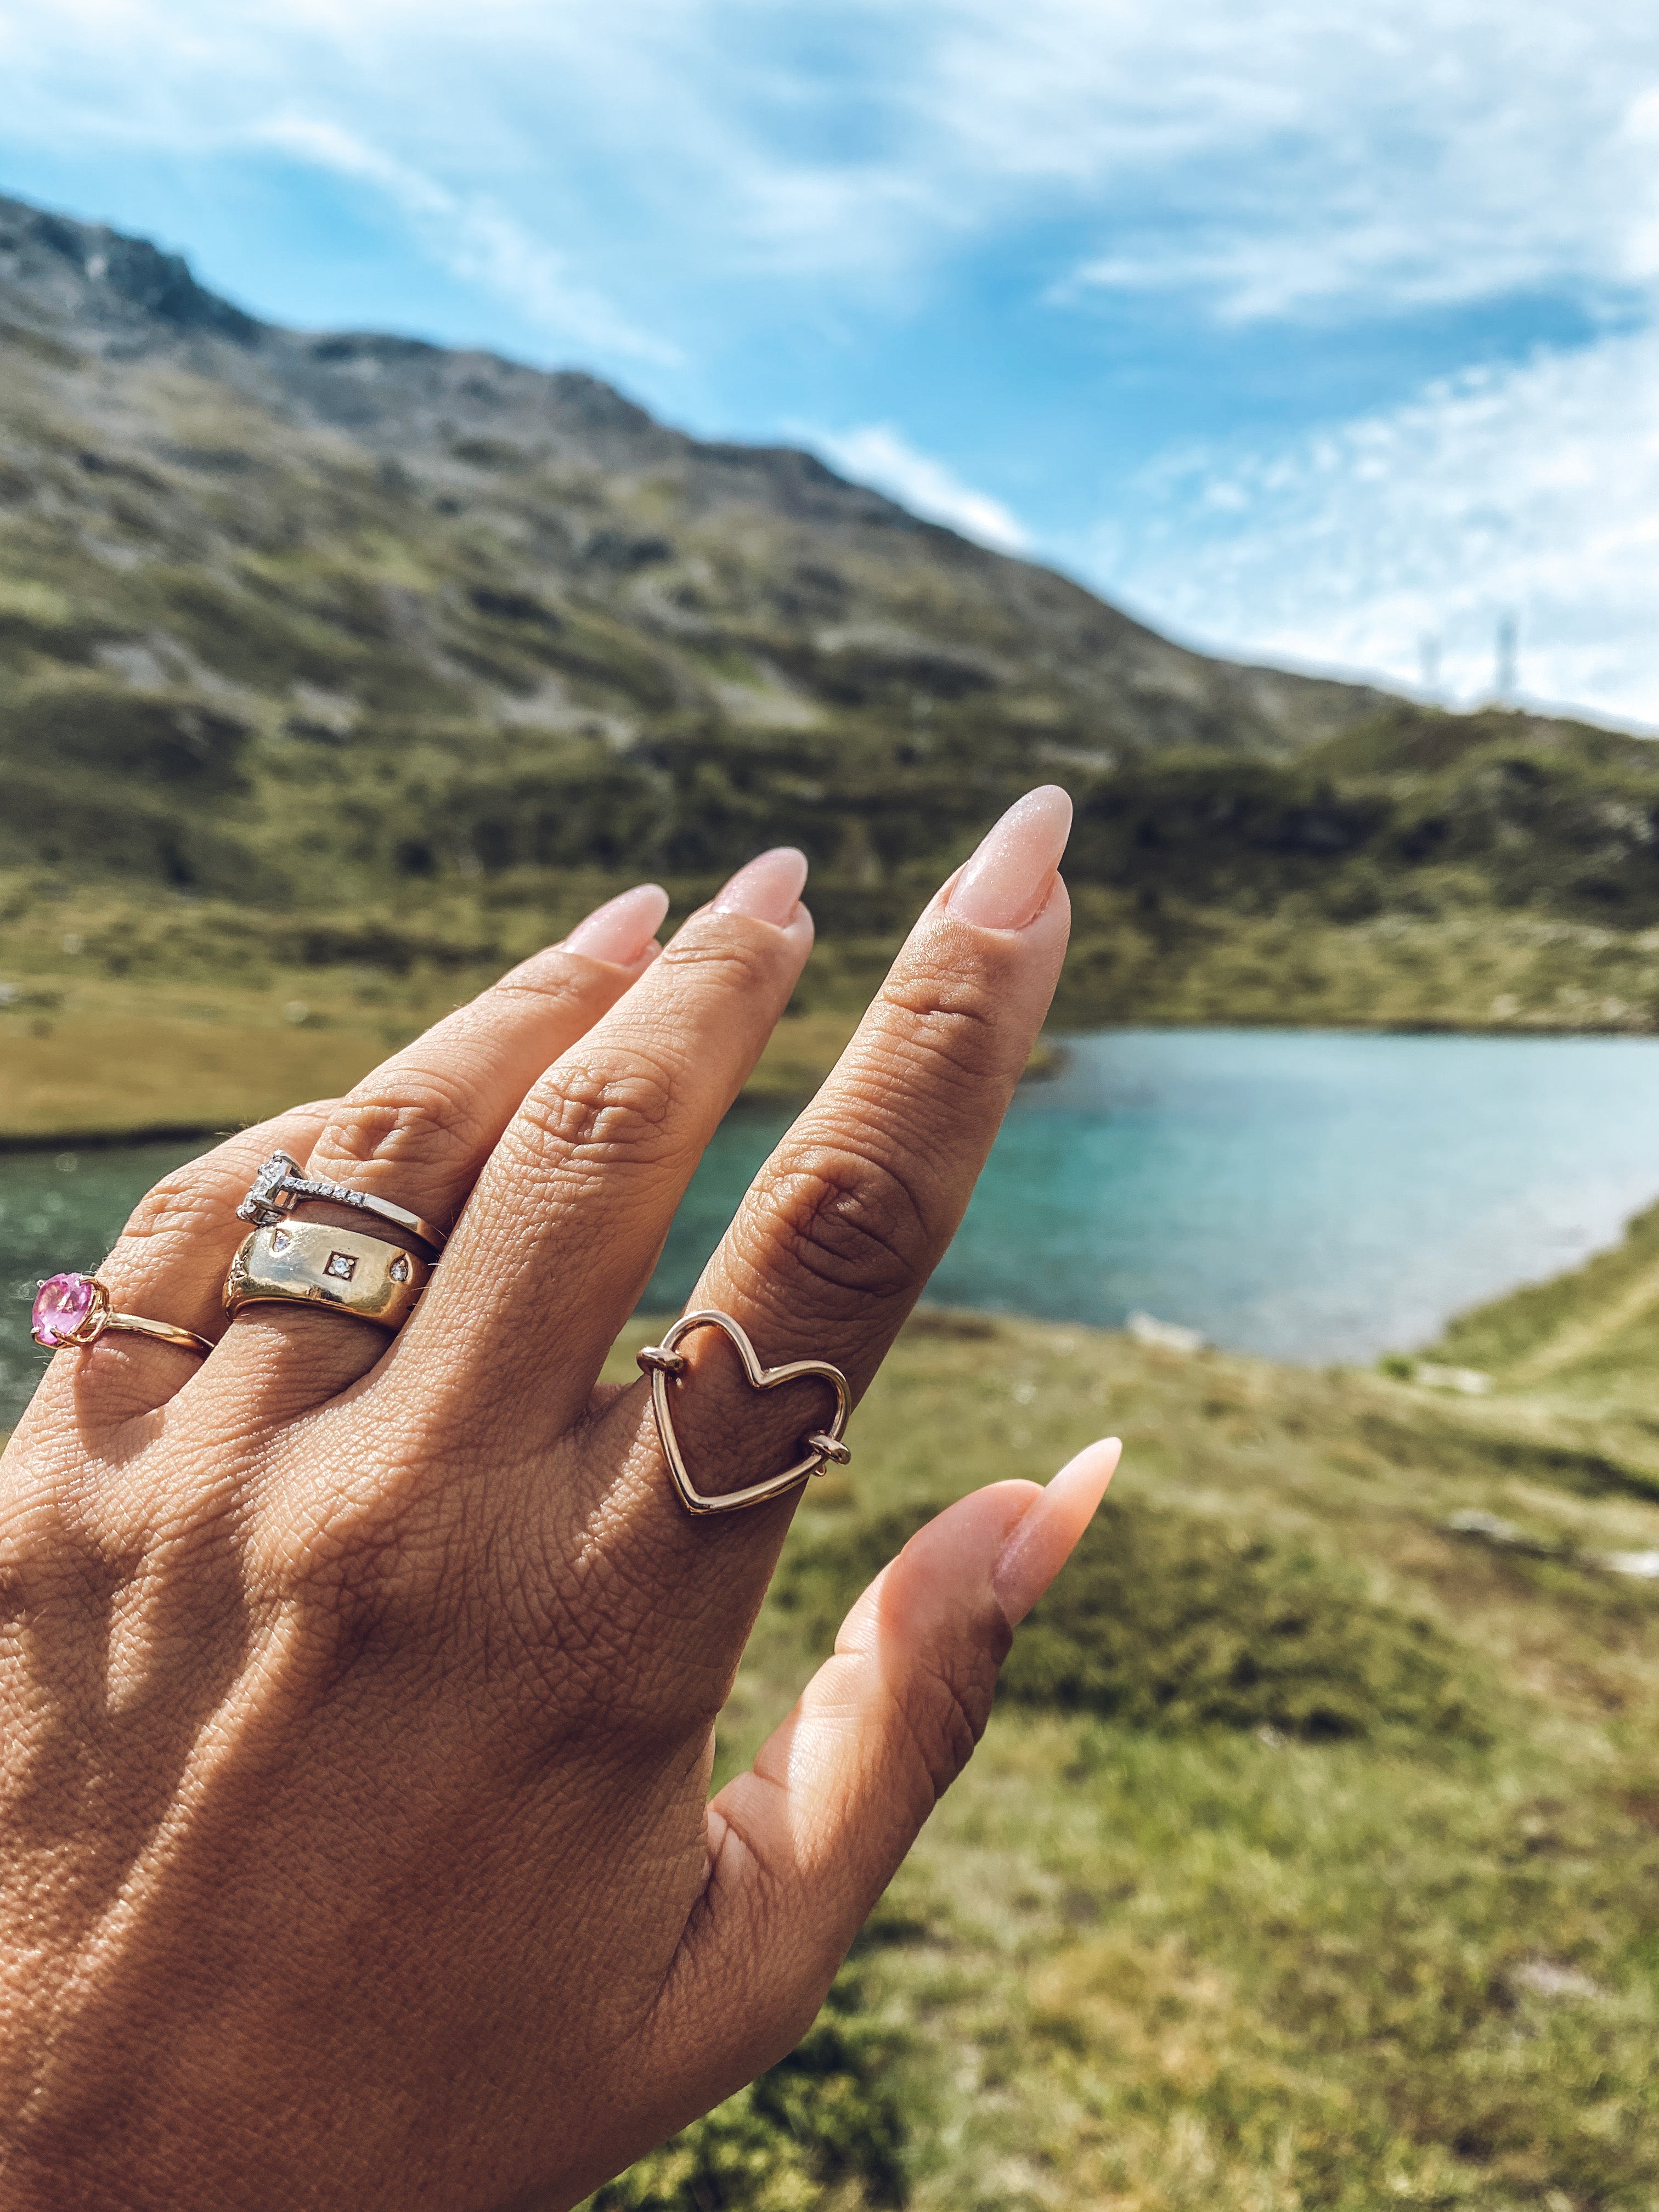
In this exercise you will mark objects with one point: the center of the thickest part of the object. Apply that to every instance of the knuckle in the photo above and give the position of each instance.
(429, 1120)
(183, 1204)
(853, 1221)
(620, 1109)
(949, 1024)
(944, 1706)
(364, 1571)
(598, 1654)
(725, 957)
(566, 984)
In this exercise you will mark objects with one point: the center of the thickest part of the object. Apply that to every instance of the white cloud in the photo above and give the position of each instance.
(636, 177)
(1272, 159)
(876, 454)
(473, 238)
(1296, 155)
(1530, 493)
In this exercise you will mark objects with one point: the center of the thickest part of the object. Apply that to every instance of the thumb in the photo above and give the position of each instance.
(801, 1846)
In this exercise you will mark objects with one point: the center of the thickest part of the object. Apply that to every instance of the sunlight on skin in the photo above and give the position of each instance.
(1000, 1547)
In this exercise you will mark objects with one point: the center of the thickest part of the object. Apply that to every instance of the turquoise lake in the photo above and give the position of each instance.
(1313, 1196)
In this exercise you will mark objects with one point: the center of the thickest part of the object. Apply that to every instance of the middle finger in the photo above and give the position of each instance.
(571, 1212)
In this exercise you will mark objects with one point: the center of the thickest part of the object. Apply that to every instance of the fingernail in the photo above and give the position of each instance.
(621, 929)
(768, 890)
(1008, 882)
(1045, 1538)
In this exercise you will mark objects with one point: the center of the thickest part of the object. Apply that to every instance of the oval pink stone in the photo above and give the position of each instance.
(61, 1304)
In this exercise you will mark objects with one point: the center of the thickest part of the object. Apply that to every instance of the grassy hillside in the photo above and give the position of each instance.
(1312, 1856)
(336, 672)
(122, 1010)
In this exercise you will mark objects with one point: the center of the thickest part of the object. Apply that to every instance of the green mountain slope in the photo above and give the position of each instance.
(334, 672)
(356, 605)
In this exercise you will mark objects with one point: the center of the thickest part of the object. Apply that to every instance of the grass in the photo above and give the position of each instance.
(121, 1015)
(84, 1064)
(1312, 1858)
(123, 1011)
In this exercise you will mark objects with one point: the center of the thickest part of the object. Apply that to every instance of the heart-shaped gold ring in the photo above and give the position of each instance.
(663, 1364)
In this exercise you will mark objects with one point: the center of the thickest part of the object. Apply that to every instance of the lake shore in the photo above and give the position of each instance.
(1314, 1196)
(151, 1013)
(95, 1076)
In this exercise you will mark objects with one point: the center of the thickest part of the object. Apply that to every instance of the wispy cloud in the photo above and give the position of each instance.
(1528, 494)
(877, 454)
(763, 211)
(1269, 159)
(1298, 155)
(473, 237)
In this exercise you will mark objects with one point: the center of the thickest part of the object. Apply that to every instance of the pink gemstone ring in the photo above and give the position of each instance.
(71, 1309)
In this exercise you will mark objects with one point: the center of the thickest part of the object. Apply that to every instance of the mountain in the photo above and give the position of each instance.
(229, 552)
(370, 655)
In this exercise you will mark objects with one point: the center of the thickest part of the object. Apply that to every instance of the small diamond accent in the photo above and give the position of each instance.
(280, 1240)
(341, 1264)
(399, 1270)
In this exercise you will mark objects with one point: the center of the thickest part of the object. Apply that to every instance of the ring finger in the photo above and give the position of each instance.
(417, 1130)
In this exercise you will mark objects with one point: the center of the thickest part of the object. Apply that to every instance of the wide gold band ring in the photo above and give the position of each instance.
(665, 1363)
(308, 1263)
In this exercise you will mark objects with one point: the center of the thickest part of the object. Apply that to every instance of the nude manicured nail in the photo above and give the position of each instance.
(621, 929)
(1045, 1537)
(768, 890)
(1008, 882)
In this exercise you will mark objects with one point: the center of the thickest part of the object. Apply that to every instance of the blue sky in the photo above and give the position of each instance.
(1310, 337)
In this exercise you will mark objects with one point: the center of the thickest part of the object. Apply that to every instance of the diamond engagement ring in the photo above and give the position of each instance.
(72, 1310)
(279, 1187)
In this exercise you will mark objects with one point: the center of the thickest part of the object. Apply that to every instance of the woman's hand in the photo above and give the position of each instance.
(359, 1695)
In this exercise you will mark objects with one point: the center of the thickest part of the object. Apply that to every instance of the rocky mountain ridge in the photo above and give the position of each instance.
(833, 593)
(361, 654)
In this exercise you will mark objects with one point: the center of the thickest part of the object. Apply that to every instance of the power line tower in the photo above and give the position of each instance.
(1508, 677)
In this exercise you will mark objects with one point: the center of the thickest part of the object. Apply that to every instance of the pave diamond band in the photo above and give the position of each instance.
(311, 1263)
(279, 1187)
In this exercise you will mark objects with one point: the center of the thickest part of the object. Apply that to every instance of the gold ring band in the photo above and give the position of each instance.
(665, 1364)
(308, 1263)
(165, 1332)
(72, 1310)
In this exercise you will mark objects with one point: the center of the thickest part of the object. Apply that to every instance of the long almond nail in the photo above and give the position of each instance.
(621, 929)
(1008, 882)
(768, 890)
(1044, 1538)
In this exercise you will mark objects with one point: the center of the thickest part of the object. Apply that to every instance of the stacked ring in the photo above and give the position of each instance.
(279, 1187)
(309, 1263)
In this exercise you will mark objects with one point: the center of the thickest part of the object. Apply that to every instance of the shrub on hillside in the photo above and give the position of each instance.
(1173, 1620)
(106, 731)
(825, 2117)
